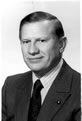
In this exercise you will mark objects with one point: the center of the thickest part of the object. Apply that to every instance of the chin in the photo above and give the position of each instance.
(35, 67)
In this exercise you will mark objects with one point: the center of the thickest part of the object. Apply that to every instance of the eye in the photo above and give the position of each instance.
(42, 40)
(25, 41)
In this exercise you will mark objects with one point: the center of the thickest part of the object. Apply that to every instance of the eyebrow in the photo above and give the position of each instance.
(27, 39)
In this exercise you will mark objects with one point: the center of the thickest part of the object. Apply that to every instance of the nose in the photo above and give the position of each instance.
(33, 49)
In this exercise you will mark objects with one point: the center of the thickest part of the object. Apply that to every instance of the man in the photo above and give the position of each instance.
(57, 98)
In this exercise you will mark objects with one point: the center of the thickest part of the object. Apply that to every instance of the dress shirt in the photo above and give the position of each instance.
(48, 79)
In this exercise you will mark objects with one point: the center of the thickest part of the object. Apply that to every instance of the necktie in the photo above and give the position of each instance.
(35, 102)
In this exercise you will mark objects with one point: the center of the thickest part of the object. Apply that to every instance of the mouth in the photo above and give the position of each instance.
(35, 59)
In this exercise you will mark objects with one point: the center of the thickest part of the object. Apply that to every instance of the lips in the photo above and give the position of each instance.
(35, 59)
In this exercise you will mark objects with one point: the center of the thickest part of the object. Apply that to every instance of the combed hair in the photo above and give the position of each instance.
(40, 16)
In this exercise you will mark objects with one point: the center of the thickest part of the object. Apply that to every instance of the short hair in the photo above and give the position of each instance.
(40, 16)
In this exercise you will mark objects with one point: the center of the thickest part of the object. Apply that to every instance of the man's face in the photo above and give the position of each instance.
(39, 47)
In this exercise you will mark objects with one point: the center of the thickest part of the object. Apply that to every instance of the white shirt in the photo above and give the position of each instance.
(48, 79)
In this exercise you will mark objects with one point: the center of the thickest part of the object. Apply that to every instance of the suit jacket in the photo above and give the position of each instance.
(62, 102)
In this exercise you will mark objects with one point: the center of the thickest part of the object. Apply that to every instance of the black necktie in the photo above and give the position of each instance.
(35, 102)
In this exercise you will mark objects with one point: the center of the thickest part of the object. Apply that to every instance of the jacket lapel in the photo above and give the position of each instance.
(23, 97)
(57, 95)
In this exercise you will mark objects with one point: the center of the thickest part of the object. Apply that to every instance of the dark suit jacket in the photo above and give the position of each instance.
(62, 102)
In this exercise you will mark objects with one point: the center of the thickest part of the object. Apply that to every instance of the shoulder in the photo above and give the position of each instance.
(14, 80)
(17, 76)
(71, 71)
(76, 80)
(76, 74)
(73, 76)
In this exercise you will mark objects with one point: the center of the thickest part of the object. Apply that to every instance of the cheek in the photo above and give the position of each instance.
(52, 49)
(24, 49)
(53, 52)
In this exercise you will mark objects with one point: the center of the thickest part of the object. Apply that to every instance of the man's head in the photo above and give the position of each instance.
(42, 41)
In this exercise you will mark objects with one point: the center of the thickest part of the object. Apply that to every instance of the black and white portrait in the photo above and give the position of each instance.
(40, 61)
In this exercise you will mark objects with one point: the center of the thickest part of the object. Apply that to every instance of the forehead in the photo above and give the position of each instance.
(38, 28)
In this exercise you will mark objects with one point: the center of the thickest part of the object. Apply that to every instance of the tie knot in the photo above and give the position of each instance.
(38, 85)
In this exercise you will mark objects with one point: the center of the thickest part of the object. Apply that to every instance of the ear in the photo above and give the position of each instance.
(62, 44)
